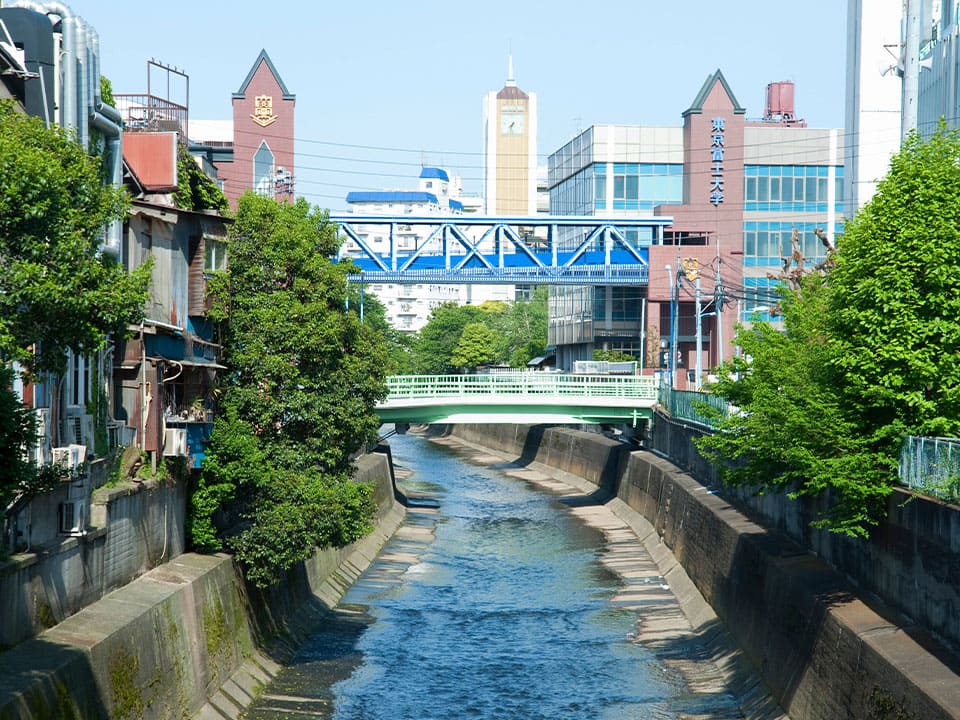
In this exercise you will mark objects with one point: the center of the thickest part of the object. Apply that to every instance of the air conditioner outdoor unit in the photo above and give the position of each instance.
(72, 517)
(78, 427)
(175, 442)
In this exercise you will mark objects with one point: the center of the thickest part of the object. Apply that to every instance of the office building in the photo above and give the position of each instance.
(872, 111)
(737, 190)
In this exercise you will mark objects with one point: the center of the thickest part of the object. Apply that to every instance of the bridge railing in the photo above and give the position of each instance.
(519, 384)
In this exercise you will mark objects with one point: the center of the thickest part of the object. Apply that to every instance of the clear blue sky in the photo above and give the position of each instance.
(410, 76)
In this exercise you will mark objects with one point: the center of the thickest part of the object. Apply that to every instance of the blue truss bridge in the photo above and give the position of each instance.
(468, 249)
(519, 397)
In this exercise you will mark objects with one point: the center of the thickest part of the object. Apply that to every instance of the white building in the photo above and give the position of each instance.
(409, 305)
(873, 96)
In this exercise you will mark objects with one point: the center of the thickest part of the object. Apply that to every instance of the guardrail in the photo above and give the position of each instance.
(931, 465)
(521, 384)
(684, 405)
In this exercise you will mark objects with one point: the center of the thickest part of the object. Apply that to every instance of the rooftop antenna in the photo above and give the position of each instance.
(510, 81)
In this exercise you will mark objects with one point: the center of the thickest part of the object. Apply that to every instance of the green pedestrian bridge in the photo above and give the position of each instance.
(520, 397)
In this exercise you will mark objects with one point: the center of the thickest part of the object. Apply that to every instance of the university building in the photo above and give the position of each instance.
(737, 190)
(255, 150)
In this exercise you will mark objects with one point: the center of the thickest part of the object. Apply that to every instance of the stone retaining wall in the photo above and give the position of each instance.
(911, 561)
(133, 528)
(188, 638)
(822, 651)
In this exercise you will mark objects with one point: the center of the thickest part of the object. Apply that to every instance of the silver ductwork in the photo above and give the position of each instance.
(80, 101)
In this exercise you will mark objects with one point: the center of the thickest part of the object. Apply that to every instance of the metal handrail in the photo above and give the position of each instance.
(521, 384)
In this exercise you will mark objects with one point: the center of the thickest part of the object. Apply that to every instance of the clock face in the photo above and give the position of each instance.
(511, 123)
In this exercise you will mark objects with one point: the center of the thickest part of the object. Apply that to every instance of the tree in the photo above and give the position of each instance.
(895, 302)
(792, 431)
(523, 331)
(304, 375)
(869, 352)
(57, 291)
(476, 346)
(440, 336)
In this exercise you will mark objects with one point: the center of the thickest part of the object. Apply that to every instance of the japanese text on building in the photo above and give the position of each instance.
(716, 157)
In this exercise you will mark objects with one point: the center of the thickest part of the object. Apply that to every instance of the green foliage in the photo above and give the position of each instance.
(476, 346)
(520, 330)
(195, 189)
(106, 91)
(793, 432)
(399, 345)
(871, 352)
(613, 356)
(439, 337)
(18, 438)
(895, 305)
(297, 400)
(56, 290)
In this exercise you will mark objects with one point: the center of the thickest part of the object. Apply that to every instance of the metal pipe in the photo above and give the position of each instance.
(68, 58)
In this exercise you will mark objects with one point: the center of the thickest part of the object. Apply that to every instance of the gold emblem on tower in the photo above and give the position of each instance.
(263, 110)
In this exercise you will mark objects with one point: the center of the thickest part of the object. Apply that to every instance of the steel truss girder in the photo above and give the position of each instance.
(497, 250)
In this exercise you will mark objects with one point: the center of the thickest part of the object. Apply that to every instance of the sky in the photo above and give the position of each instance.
(383, 88)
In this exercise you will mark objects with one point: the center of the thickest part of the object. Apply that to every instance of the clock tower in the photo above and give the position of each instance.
(510, 150)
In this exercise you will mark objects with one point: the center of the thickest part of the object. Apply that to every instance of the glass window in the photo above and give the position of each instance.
(600, 187)
(619, 187)
(786, 190)
(751, 188)
(633, 192)
(750, 243)
(822, 189)
(263, 170)
(774, 188)
(810, 194)
(763, 189)
(214, 254)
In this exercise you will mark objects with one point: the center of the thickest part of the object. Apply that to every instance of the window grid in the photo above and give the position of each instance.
(766, 243)
(791, 188)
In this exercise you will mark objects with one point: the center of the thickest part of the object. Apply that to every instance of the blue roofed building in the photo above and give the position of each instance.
(409, 304)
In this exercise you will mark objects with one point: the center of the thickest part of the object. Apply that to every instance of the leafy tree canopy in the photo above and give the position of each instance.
(439, 337)
(869, 352)
(56, 290)
(476, 346)
(298, 397)
(520, 330)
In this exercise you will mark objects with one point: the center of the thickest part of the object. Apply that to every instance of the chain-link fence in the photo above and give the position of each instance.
(931, 465)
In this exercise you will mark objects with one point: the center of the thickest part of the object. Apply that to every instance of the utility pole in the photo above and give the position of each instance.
(698, 365)
(911, 69)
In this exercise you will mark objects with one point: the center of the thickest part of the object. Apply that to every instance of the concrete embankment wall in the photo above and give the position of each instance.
(188, 638)
(822, 652)
(911, 560)
(133, 529)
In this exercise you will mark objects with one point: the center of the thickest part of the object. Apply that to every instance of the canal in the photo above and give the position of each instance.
(502, 603)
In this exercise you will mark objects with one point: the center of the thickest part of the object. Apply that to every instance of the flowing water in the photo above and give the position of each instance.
(494, 606)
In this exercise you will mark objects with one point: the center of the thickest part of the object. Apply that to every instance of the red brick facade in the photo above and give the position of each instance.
(263, 117)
